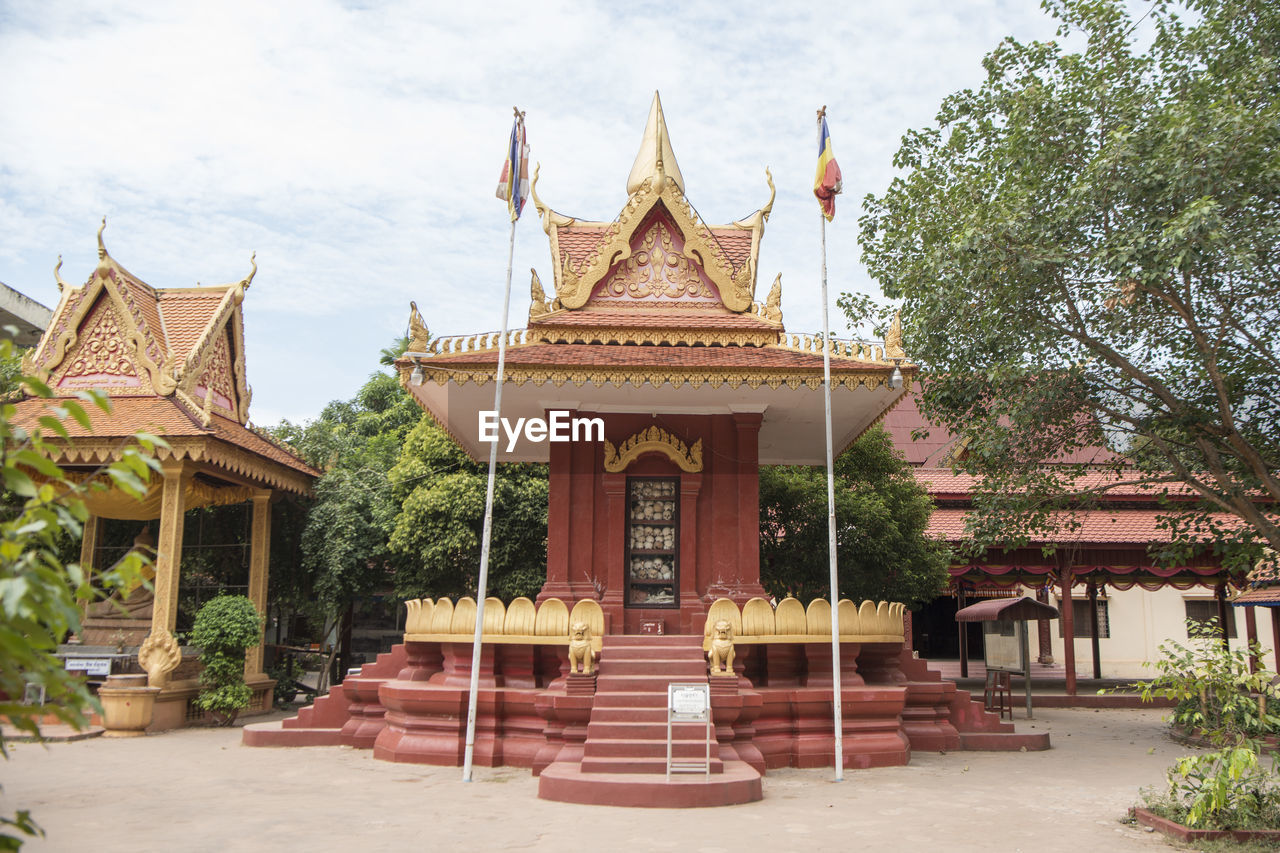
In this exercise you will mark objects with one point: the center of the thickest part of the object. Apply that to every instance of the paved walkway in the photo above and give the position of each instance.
(200, 790)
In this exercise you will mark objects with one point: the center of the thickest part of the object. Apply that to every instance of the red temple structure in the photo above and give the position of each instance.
(675, 386)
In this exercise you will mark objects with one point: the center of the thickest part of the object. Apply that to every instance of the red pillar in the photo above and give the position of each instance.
(559, 485)
(1251, 633)
(1043, 638)
(1093, 632)
(1067, 580)
(613, 602)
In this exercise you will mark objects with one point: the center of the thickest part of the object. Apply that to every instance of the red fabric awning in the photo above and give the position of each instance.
(1000, 609)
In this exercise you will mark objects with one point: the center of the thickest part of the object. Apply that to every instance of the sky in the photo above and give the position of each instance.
(356, 147)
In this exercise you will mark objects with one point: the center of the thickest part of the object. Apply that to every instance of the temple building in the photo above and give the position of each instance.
(173, 362)
(1123, 603)
(649, 351)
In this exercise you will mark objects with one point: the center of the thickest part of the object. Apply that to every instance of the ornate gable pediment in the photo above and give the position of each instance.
(212, 377)
(587, 255)
(100, 355)
(656, 269)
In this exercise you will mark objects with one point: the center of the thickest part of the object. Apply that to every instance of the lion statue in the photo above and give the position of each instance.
(722, 649)
(581, 652)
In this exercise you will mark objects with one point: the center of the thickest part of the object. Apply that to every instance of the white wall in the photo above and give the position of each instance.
(1140, 622)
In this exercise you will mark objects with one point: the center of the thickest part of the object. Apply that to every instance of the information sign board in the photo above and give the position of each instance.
(688, 701)
(89, 666)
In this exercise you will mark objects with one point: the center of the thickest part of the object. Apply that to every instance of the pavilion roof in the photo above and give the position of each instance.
(1104, 527)
(172, 361)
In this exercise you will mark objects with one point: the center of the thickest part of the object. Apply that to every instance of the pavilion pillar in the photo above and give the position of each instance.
(1067, 580)
(964, 630)
(92, 532)
(747, 425)
(1221, 595)
(164, 614)
(613, 602)
(1043, 638)
(259, 570)
(1094, 640)
(691, 609)
(1251, 635)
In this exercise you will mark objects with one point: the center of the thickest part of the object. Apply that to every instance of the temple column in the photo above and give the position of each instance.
(613, 602)
(1043, 638)
(1220, 594)
(1067, 580)
(164, 614)
(259, 570)
(691, 610)
(747, 425)
(1094, 642)
(1251, 635)
(92, 532)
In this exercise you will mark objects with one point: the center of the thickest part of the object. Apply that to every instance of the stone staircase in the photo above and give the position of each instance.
(627, 732)
(624, 756)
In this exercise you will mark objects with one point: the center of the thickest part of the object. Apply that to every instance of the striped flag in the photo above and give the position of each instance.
(513, 183)
(826, 184)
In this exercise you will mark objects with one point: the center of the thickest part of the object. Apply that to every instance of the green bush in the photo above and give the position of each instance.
(224, 628)
(1226, 789)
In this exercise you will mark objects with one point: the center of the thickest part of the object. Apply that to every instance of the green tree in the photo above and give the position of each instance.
(1086, 247)
(41, 594)
(224, 627)
(881, 514)
(439, 527)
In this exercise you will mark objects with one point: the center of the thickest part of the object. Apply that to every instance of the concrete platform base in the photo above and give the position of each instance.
(274, 734)
(566, 783)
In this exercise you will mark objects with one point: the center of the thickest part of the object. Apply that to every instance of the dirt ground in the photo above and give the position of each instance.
(200, 790)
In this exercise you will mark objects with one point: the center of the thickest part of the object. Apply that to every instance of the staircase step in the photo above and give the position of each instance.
(628, 748)
(639, 765)
(646, 666)
(640, 683)
(645, 729)
(631, 699)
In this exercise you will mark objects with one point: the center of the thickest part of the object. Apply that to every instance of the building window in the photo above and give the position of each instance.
(1203, 610)
(653, 540)
(1083, 627)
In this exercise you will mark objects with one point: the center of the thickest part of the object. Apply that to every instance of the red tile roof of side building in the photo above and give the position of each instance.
(1111, 526)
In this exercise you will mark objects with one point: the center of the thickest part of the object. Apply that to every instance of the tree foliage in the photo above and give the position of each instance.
(41, 594)
(1087, 247)
(440, 525)
(881, 514)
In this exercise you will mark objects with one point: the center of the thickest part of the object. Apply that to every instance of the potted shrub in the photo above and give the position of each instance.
(225, 626)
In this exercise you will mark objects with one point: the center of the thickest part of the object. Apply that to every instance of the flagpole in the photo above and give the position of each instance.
(837, 710)
(483, 581)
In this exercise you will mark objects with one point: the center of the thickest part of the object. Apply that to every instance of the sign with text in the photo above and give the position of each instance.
(689, 702)
(89, 666)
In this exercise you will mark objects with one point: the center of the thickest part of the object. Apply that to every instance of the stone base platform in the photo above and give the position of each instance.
(566, 783)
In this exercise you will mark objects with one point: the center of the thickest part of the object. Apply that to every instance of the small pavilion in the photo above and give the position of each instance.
(173, 362)
(653, 328)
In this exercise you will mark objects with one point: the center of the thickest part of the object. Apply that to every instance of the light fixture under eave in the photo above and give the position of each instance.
(416, 378)
(895, 378)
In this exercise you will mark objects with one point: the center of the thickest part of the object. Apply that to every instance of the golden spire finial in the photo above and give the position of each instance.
(248, 280)
(56, 270)
(655, 159)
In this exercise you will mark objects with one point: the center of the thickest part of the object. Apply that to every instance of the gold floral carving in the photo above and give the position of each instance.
(216, 376)
(657, 269)
(102, 350)
(653, 439)
(772, 309)
(575, 281)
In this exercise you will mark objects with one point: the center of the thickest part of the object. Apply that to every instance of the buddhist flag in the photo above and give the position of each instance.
(513, 183)
(826, 184)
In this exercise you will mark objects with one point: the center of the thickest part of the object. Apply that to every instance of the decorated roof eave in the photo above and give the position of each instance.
(220, 455)
(574, 283)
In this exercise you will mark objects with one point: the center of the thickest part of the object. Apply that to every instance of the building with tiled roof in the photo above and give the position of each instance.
(172, 361)
(1102, 551)
(650, 325)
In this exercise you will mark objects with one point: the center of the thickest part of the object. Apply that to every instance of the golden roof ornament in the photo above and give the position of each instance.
(773, 303)
(655, 160)
(893, 338)
(62, 285)
(539, 306)
(419, 336)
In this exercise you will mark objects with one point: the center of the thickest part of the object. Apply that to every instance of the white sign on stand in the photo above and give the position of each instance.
(689, 703)
(89, 666)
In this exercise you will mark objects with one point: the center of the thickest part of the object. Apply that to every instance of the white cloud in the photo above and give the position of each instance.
(356, 147)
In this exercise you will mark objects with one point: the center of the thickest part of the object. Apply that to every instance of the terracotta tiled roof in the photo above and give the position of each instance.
(674, 318)
(607, 355)
(187, 314)
(1115, 526)
(932, 449)
(735, 243)
(162, 416)
(1263, 597)
(577, 241)
(943, 483)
